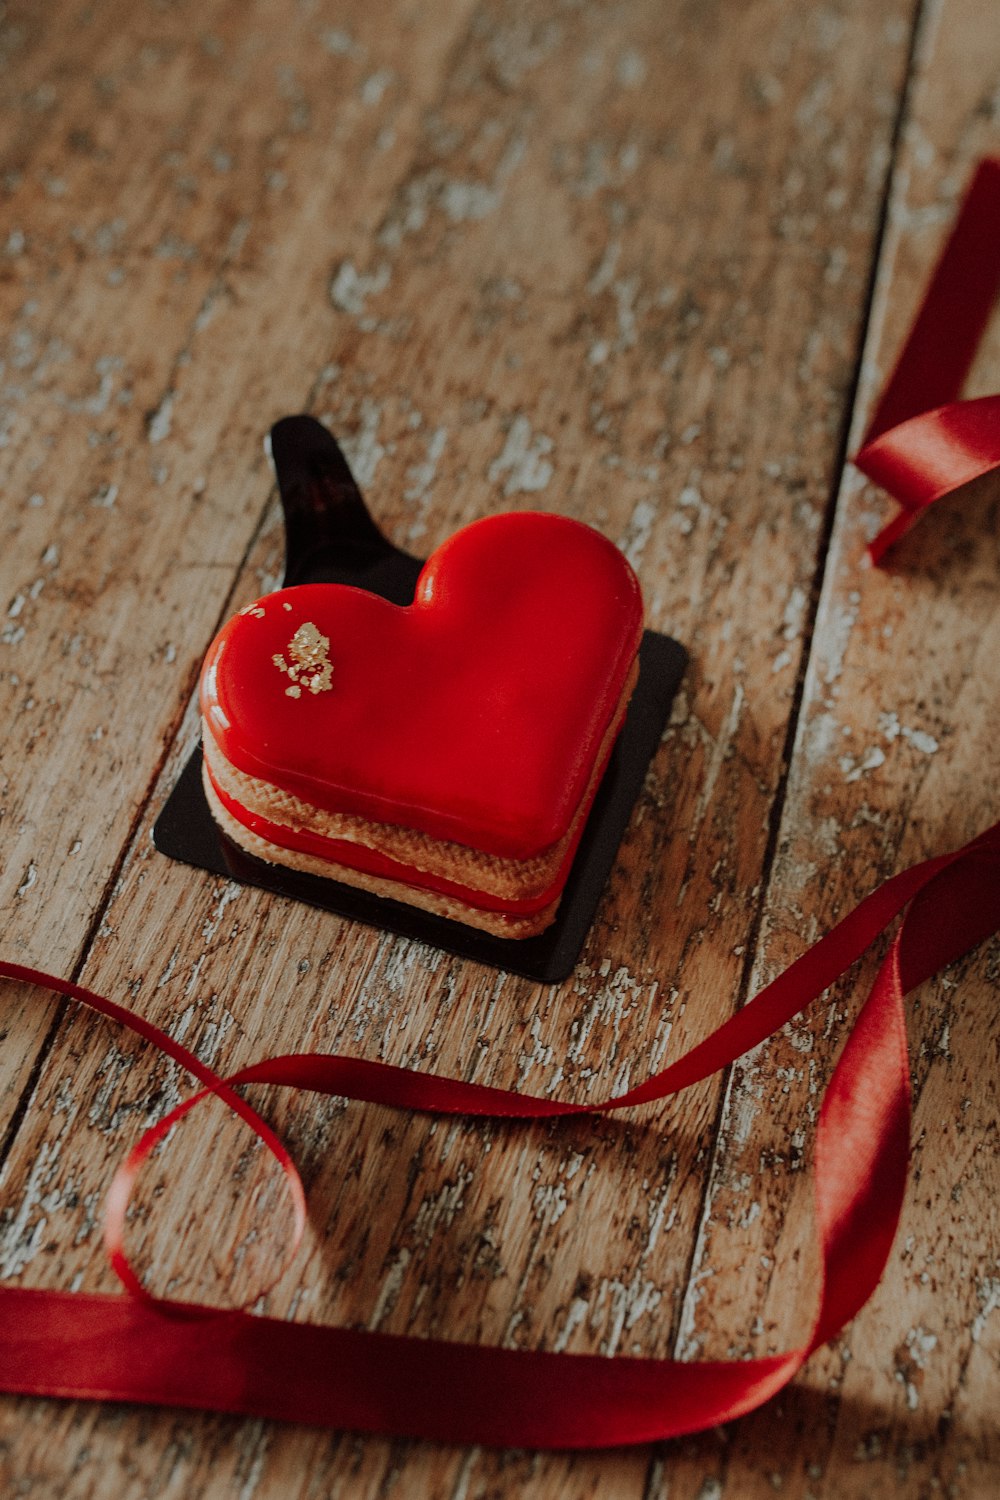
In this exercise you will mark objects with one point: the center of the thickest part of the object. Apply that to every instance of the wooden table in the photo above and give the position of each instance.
(640, 263)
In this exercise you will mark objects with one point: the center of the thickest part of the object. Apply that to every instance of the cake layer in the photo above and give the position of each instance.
(440, 903)
(351, 858)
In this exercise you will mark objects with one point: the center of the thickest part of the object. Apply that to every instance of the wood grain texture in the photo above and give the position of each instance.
(895, 733)
(608, 260)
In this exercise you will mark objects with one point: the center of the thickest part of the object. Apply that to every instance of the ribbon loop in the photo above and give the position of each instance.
(923, 442)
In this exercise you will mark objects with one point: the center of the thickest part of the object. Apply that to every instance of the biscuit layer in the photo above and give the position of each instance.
(499, 923)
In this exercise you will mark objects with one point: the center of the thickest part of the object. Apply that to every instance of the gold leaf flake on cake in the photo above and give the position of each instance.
(310, 665)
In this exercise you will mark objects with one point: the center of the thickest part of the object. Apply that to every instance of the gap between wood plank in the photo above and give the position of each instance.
(167, 744)
(841, 459)
(173, 729)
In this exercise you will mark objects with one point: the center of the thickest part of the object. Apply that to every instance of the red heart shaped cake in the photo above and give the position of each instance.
(445, 753)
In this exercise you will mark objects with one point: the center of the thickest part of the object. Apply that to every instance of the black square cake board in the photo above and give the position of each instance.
(331, 538)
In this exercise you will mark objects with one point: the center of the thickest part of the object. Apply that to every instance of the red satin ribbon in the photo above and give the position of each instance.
(923, 443)
(136, 1349)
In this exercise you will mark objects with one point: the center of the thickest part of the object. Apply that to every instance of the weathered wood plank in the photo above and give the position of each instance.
(619, 269)
(894, 759)
(145, 289)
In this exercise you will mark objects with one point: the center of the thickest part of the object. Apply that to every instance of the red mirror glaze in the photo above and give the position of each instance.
(475, 714)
